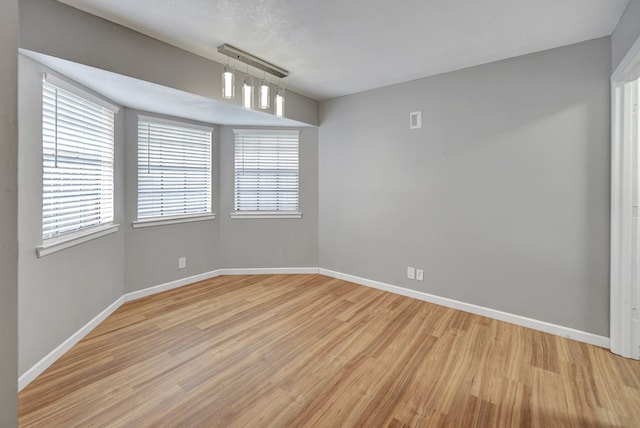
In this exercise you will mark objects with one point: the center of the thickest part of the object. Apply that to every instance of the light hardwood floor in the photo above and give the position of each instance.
(308, 350)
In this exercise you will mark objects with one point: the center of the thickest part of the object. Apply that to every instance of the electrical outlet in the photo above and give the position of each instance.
(182, 262)
(411, 272)
(419, 274)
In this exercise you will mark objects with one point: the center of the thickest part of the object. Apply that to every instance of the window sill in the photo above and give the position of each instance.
(158, 221)
(264, 214)
(54, 245)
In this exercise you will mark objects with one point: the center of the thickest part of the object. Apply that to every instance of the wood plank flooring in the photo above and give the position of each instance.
(308, 350)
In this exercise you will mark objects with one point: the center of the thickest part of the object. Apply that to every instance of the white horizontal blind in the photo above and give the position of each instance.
(266, 170)
(174, 170)
(77, 162)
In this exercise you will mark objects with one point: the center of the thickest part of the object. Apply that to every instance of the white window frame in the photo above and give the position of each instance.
(69, 239)
(625, 220)
(284, 214)
(141, 222)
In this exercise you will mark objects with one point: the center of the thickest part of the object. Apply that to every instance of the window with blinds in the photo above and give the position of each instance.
(77, 162)
(174, 169)
(266, 170)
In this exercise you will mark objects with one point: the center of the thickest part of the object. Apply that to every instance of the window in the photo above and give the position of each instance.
(266, 173)
(174, 172)
(77, 163)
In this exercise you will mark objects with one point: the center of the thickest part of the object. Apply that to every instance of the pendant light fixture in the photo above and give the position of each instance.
(247, 91)
(228, 83)
(279, 101)
(263, 87)
(265, 95)
(253, 61)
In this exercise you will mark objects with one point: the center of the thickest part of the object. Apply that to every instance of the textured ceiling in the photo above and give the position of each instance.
(338, 47)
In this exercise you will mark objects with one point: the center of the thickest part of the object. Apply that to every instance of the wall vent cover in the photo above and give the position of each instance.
(415, 120)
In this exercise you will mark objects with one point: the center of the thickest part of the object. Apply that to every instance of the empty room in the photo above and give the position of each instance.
(333, 214)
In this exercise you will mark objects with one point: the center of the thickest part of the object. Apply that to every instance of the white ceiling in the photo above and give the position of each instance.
(338, 47)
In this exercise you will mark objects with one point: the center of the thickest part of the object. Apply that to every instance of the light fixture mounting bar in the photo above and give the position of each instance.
(251, 60)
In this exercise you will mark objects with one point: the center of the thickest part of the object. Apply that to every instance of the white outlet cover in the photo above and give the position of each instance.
(182, 262)
(411, 272)
(419, 274)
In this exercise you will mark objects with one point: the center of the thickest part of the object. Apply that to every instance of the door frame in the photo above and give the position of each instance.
(625, 233)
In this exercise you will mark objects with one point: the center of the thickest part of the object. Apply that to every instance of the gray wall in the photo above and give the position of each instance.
(502, 197)
(152, 252)
(59, 293)
(55, 29)
(8, 213)
(626, 33)
(271, 242)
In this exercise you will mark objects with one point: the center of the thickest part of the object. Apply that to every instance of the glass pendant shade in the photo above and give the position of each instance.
(228, 84)
(264, 94)
(247, 93)
(279, 102)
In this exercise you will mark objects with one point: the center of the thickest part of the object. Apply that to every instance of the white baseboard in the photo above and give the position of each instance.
(546, 327)
(28, 376)
(212, 274)
(269, 271)
(170, 285)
